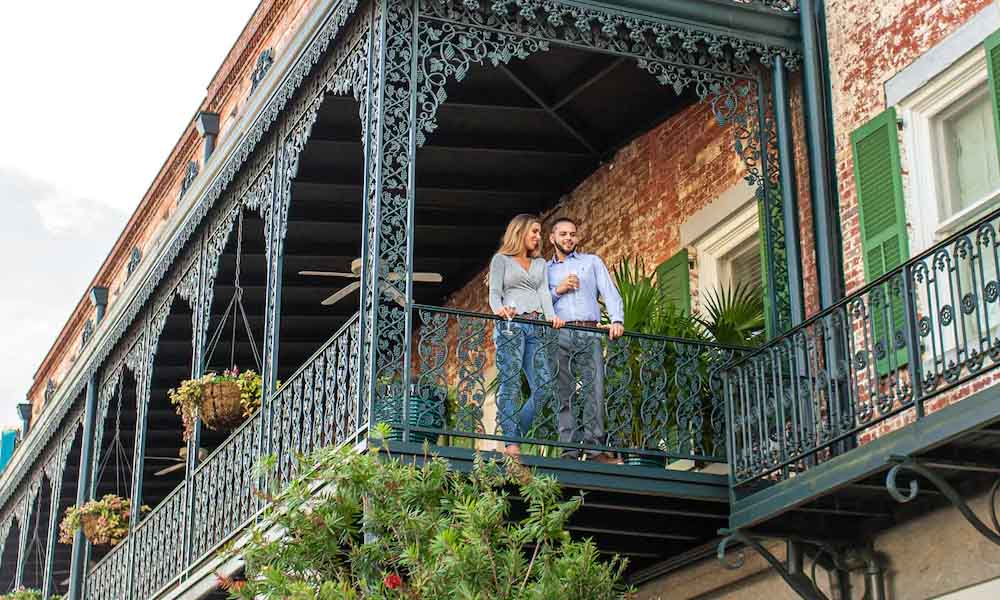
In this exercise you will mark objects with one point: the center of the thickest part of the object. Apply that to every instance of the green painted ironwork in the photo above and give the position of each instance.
(794, 403)
(660, 397)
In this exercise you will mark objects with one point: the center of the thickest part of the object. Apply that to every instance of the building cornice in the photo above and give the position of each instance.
(265, 18)
(308, 44)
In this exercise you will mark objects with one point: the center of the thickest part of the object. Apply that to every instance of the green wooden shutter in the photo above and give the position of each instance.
(992, 47)
(674, 280)
(884, 242)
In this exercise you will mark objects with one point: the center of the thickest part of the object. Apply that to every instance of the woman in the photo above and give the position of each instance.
(519, 287)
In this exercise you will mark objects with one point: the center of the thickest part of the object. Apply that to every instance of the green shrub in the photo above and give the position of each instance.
(369, 526)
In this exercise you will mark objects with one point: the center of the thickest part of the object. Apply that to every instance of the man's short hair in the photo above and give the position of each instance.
(563, 220)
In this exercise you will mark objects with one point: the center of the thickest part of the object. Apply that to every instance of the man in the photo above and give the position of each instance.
(576, 280)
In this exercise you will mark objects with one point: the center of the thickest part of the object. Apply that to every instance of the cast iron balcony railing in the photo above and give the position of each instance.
(316, 406)
(662, 396)
(913, 334)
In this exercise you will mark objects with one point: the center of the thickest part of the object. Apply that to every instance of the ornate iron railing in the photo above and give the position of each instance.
(920, 330)
(661, 396)
(160, 539)
(224, 485)
(318, 405)
(110, 578)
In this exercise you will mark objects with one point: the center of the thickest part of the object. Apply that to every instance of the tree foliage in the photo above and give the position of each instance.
(371, 526)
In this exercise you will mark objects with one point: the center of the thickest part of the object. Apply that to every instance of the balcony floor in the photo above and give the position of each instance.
(848, 493)
(646, 514)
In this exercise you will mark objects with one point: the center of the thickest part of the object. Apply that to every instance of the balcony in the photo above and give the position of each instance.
(664, 415)
(899, 373)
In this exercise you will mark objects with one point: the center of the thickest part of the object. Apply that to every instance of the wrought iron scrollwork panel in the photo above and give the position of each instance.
(922, 329)
(648, 395)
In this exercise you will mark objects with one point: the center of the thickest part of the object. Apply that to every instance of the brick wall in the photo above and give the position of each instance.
(869, 43)
(634, 205)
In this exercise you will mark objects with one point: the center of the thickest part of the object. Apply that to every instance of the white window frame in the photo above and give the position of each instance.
(716, 231)
(922, 113)
(926, 170)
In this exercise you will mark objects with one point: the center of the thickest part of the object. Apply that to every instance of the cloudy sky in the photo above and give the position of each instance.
(95, 95)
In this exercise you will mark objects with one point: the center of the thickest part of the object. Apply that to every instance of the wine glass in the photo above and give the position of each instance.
(573, 291)
(512, 309)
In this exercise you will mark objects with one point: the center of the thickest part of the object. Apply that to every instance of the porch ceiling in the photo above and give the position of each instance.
(509, 140)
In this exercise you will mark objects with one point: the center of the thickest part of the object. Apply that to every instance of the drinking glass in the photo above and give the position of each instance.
(510, 317)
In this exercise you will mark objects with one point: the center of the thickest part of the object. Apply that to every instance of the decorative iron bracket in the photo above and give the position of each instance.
(925, 470)
(792, 570)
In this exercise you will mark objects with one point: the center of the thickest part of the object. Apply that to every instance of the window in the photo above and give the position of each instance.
(950, 144)
(951, 150)
(725, 236)
(743, 265)
(971, 174)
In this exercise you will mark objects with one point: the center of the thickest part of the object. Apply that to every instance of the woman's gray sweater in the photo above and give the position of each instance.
(528, 290)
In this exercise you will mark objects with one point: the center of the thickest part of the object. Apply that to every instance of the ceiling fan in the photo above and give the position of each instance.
(356, 274)
(181, 460)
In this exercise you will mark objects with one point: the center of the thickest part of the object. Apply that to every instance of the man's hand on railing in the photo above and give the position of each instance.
(557, 323)
(615, 330)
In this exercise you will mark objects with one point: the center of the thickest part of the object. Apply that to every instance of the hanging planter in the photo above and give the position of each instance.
(104, 522)
(222, 401)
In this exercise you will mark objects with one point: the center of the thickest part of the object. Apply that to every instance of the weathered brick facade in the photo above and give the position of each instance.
(635, 205)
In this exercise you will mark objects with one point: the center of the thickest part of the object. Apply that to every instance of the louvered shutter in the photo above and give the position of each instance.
(992, 47)
(674, 280)
(884, 240)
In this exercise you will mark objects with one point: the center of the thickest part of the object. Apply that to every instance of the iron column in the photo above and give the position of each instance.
(822, 183)
(84, 491)
(789, 190)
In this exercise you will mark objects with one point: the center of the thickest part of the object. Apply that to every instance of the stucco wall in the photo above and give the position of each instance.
(926, 557)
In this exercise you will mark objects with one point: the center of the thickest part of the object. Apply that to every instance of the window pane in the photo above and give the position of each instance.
(972, 155)
(745, 264)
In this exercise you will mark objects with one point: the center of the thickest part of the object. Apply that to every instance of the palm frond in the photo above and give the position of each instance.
(735, 315)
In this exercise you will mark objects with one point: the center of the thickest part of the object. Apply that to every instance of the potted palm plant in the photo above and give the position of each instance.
(731, 316)
(222, 401)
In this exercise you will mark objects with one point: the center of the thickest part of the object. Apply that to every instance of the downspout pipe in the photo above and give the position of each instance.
(84, 491)
(874, 574)
(819, 145)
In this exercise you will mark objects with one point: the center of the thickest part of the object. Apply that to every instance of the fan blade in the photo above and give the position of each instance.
(394, 294)
(341, 294)
(428, 277)
(328, 274)
(170, 469)
(418, 277)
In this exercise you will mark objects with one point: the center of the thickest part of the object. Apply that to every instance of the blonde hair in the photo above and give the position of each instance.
(513, 238)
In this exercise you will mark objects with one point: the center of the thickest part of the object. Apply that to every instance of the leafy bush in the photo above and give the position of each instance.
(25, 594)
(364, 526)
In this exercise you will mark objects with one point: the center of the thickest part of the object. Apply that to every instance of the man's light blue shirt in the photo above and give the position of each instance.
(581, 304)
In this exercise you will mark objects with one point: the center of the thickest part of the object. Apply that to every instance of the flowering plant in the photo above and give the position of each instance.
(26, 594)
(188, 396)
(104, 521)
(428, 533)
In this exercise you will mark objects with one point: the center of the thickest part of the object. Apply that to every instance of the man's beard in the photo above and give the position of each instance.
(564, 250)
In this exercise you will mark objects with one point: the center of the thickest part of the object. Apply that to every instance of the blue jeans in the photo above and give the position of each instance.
(521, 349)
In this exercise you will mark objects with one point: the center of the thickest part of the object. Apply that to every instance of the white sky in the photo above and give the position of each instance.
(94, 96)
